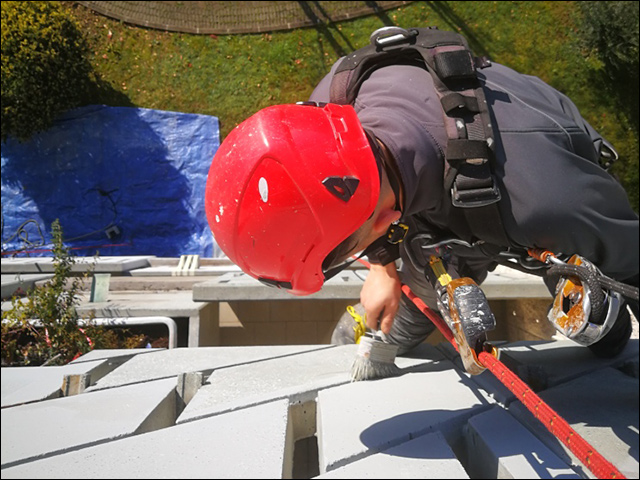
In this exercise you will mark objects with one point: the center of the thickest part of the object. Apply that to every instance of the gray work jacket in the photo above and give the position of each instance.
(555, 195)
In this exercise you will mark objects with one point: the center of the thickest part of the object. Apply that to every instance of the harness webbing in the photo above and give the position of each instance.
(469, 180)
(553, 422)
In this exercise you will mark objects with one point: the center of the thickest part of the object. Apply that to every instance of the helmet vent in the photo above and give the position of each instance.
(342, 187)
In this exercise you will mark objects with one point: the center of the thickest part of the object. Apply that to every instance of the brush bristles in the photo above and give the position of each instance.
(365, 369)
(375, 359)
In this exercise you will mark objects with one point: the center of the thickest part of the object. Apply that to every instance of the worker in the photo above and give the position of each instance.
(412, 146)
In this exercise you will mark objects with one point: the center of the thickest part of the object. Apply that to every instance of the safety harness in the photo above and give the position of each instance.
(470, 182)
(469, 177)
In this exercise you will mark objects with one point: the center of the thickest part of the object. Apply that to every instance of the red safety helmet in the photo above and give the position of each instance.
(286, 187)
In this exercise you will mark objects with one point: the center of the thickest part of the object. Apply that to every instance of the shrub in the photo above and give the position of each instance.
(58, 337)
(611, 29)
(609, 33)
(44, 66)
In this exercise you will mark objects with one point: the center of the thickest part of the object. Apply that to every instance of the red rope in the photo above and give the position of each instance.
(557, 425)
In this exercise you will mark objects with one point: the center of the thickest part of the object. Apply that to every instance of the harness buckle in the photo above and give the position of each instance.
(476, 194)
(396, 233)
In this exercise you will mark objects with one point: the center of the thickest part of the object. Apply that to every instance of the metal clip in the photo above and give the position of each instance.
(390, 36)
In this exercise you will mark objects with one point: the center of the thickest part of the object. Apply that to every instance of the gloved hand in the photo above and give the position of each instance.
(380, 296)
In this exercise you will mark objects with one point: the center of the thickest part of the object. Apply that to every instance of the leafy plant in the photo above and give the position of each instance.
(44, 328)
(44, 66)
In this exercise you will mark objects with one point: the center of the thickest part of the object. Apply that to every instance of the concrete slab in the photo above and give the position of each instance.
(143, 284)
(602, 407)
(154, 284)
(170, 363)
(486, 381)
(245, 444)
(203, 318)
(363, 418)
(502, 284)
(48, 428)
(20, 265)
(12, 283)
(240, 286)
(498, 446)
(34, 384)
(428, 456)
(507, 283)
(114, 265)
(119, 355)
(142, 304)
(168, 271)
(375, 426)
(546, 364)
(296, 377)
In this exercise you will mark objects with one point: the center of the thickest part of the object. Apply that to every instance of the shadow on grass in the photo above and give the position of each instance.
(97, 91)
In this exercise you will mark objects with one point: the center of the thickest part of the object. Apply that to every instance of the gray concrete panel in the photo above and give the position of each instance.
(507, 283)
(33, 384)
(500, 447)
(602, 407)
(120, 355)
(297, 377)
(244, 444)
(23, 281)
(359, 419)
(55, 426)
(142, 304)
(428, 456)
(115, 265)
(374, 426)
(170, 363)
(240, 286)
(545, 364)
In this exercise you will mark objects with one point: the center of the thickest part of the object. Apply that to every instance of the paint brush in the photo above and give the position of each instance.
(375, 358)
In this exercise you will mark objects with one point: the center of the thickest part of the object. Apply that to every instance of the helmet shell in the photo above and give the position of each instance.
(286, 187)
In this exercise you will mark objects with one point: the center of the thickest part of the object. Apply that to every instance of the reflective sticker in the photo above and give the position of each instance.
(263, 188)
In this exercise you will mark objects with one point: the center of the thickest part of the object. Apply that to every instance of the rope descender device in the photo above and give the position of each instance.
(582, 309)
(466, 311)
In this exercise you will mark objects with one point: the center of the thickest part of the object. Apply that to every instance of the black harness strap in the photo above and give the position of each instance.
(469, 177)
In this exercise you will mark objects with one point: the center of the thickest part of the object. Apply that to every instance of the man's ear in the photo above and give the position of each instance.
(384, 219)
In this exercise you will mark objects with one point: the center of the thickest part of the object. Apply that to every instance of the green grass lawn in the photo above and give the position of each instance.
(232, 76)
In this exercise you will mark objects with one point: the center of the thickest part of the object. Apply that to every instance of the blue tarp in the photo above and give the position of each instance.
(123, 181)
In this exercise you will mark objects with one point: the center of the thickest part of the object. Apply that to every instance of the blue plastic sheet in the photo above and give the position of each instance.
(122, 181)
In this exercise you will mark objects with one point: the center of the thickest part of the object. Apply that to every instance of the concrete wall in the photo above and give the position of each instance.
(309, 322)
(291, 322)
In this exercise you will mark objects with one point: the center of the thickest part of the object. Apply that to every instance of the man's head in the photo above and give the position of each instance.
(288, 186)
(387, 212)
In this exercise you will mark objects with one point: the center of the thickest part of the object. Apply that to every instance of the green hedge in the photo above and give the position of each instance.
(609, 33)
(44, 66)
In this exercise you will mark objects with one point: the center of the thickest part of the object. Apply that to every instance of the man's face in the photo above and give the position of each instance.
(376, 226)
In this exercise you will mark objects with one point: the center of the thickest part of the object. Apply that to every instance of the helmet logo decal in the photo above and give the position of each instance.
(263, 188)
(342, 187)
